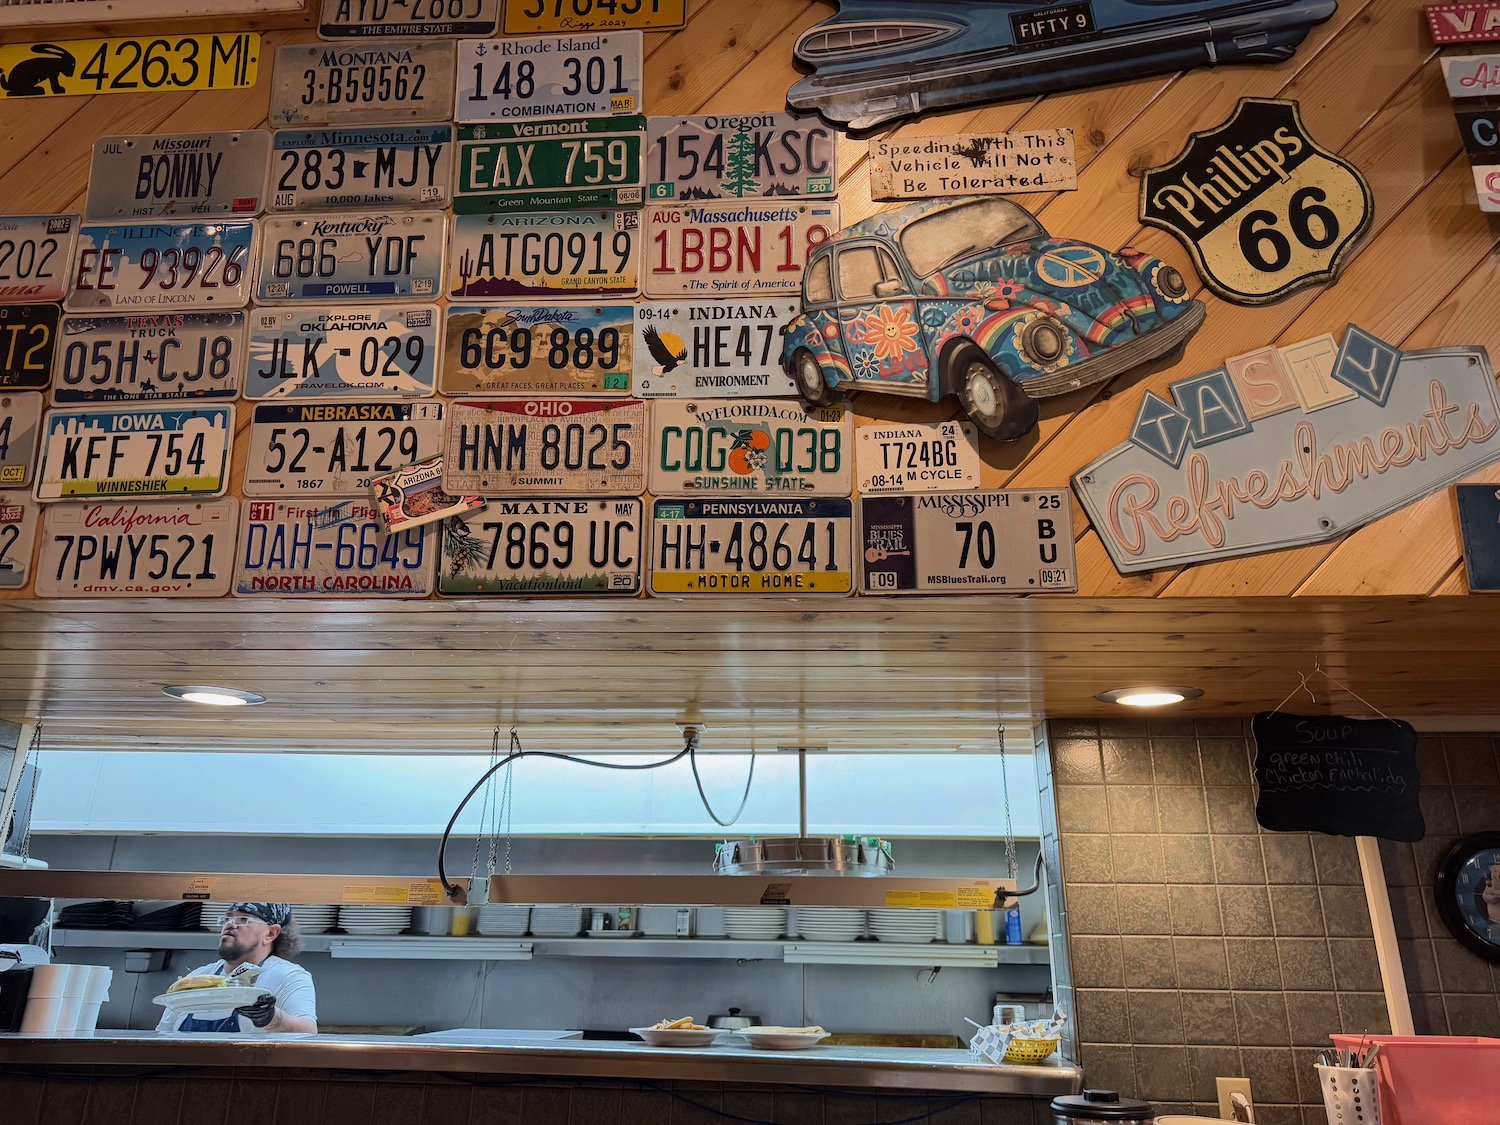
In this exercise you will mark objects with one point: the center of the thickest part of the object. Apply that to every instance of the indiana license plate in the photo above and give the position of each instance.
(545, 254)
(733, 249)
(28, 341)
(130, 65)
(336, 352)
(20, 427)
(740, 156)
(352, 257)
(538, 350)
(549, 77)
(765, 546)
(177, 175)
(385, 81)
(175, 548)
(376, 166)
(912, 457)
(547, 447)
(750, 445)
(337, 448)
(36, 252)
(529, 17)
(321, 547)
(19, 518)
(150, 358)
(163, 265)
(577, 546)
(149, 451)
(595, 162)
(711, 349)
(356, 19)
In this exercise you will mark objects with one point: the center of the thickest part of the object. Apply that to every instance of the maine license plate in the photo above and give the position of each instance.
(349, 19)
(538, 350)
(352, 352)
(334, 449)
(373, 166)
(750, 445)
(546, 447)
(545, 254)
(36, 252)
(352, 257)
(733, 249)
(177, 175)
(318, 547)
(150, 358)
(594, 162)
(728, 545)
(528, 17)
(28, 341)
(578, 546)
(711, 349)
(1010, 541)
(385, 81)
(743, 156)
(19, 518)
(176, 547)
(549, 77)
(20, 426)
(163, 266)
(149, 451)
(912, 457)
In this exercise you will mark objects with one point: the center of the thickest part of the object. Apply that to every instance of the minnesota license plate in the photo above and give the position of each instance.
(28, 341)
(595, 162)
(133, 65)
(743, 156)
(711, 349)
(177, 175)
(765, 546)
(352, 257)
(163, 265)
(385, 81)
(336, 352)
(375, 166)
(335, 449)
(321, 547)
(20, 427)
(578, 546)
(911, 457)
(19, 518)
(529, 17)
(547, 447)
(112, 549)
(545, 254)
(150, 451)
(750, 445)
(538, 350)
(351, 19)
(549, 77)
(733, 249)
(36, 252)
(150, 358)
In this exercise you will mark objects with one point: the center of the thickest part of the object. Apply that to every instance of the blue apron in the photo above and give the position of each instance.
(229, 1023)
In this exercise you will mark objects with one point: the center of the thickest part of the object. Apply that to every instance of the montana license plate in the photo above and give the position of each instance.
(916, 457)
(150, 451)
(546, 447)
(712, 349)
(750, 445)
(748, 546)
(356, 19)
(20, 427)
(19, 518)
(549, 77)
(740, 156)
(163, 266)
(577, 546)
(178, 175)
(385, 81)
(594, 162)
(352, 257)
(529, 17)
(373, 166)
(545, 254)
(113, 549)
(36, 252)
(322, 547)
(352, 352)
(28, 341)
(336, 448)
(150, 358)
(538, 350)
(733, 249)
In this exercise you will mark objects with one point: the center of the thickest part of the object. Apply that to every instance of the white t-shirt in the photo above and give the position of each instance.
(292, 985)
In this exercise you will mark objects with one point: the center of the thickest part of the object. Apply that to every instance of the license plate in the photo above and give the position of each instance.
(752, 546)
(28, 341)
(350, 19)
(378, 166)
(343, 353)
(1042, 27)
(150, 358)
(546, 447)
(529, 17)
(545, 254)
(133, 65)
(744, 156)
(142, 452)
(1010, 541)
(154, 177)
(733, 249)
(20, 427)
(111, 549)
(577, 546)
(35, 253)
(750, 445)
(549, 77)
(538, 350)
(163, 265)
(711, 349)
(910, 457)
(19, 518)
(336, 449)
(385, 81)
(561, 164)
(352, 257)
(318, 547)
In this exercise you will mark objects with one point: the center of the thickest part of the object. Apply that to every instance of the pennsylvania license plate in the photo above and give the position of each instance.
(711, 349)
(529, 17)
(163, 265)
(538, 350)
(352, 257)
(150, 358)
(19, 518)
(752, 546)
(28, 341)
(320, 547)
(375, 166)
(733, 249)
(546, 447)
(912, 457)
(578, 546)
(549, 77)
(349, 352)
(545, 254)
(351, 19)
(111, 549)
(154, 177)
(20, 427)
(385, 81)
(558, 165)
(148, 451)
(36, 252)
(133, 65)
(335, 449)
(750, 445)
(743, 156)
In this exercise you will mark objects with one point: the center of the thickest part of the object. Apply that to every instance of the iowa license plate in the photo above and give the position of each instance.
(28, 341)
(321, 547)
(385, 81)
(20, 426)
(163, 265)
(750, 445)
(549, 77)
(355, 19)
(538, 349)
(595, 162)
(733, 249)
(150, 358)
(343, 352)
(19, 518)
(132, 65)
(35, 254)
(177, 175)
(352, 257)
(175, 548)
(765, 546)
(337, 448)
(711, 349)
(373, 166)
(913, 457)
(741, 156)
(545, 254)
(577, 546)
(547, 447)
(528, 17)
(150, 451)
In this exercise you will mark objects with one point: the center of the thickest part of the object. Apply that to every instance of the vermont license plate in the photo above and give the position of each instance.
(547, 77)
(28, 341)
(19, 518)
(352, 257)
(163, 265)
(385, 81)
(595, 162)
(528, 17)
(36, 252)
(545, 254)
(150, 358)
(111, 549)
(750, 445)
(538, 350)
(336, 448)
(150, 451)
(911, 457)
(578, 546)
(343, 352)
(178, 175)
(711, 349)
(131, 65)
(740, 156)
(765, 546)
(321, 547)
(20, 427)
(546, 447)
(733, 249)
(351, 19)
(373, 166)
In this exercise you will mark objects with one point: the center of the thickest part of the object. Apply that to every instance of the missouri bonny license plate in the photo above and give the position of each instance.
(572, 546)
(28, 342)
(750, 445)
(336, 448)
(752, 546)
(593, 162)
(357, 19)
(547, 447)
(20, 427)
(386, 81)
(178, 175)
(538, 350)
(733, 249)
(180, 548)
(530, 17)
(712, 348)
(152, 357)
(147, 451)
(343, 352)
(740, 156)
(19, 519)
(36, 252)
(366, 166)
(549, 77)
(319, 547)
(163, 265)
(347, 257)
(545, 254)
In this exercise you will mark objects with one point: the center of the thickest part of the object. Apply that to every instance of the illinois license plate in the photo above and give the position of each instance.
(112, 549)
(711, 349)
(377, 166)
(733, 249)
(549, 77)
(750, 445)
(545, 254)
(384, 81)
(132, 65)
(343, 353)
(577, 546)
(335, 449)
(174, 176)
(595, 162)
(752, 546)
(163, 265)
(149, 451)
(321, 547)
(20, 426)
(743, 156)
(28, 341)
(19, 518)
(538, 349)
(1010, 541)
(351, 19)
(35, 254)
(149, 358)
(352, 257)
(528, 17)
(911, 457)
(547, 447)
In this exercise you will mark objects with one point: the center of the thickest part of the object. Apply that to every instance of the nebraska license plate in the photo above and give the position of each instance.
(320, 547)
(594, 162)
(538, 350)
(372, 166)
(163, 266)
(177, 548)
(712, 348)
(36, 252)
(28, 342)
(356, 19)
(337, 448)
(545, 254)
(20, 426)
(528, 17)
(548, 77)
(740, 156)
(343, 352)
(731, 546)
(750, 445)
(148, 451)
(19, 518)
(547, 447)
(385, 81)
(177, 175)
(575, 546)
(915, 457)
(150, 358)
(733, 249)
(352, 257)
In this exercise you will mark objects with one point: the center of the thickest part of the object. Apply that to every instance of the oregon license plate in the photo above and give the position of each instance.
(733, 249)
(529, 17)
(741, 156)
(149, 358)
(28, 341)
(385, 81)
(545, 254)
(337, 448)
(148, 451)
(354, 352)
(321, 547)
(538, 349)
(711, 349)
(547, 447)
(913, 457)
(373, 166)
(549, 77)
(131, 65)
(163, 265)
(36, 252)
(765, 546)
(177, 547)
(594, 162)
(750, 445)
(20, 427)
(577, 546)
(352, 257)
(350, 19)
(19, 518)
(177, 175)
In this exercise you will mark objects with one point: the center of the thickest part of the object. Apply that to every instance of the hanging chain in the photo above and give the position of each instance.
(1010, 835)
(485, 811)
(507, 795)
(33, 756)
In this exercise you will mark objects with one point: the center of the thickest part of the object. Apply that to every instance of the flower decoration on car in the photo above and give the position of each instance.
(892, 332)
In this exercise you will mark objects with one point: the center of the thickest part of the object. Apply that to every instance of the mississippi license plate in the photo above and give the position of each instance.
(538, 350)
(711, 349)
(545, 254)
(352, 257)
(19, 518)
(547, 447)
(578, 546)
(594, 162)
(336, 449)
(1009, 541)
(743, 156)
(133, 65)
(353, 352)
(150, 358)
(20, 427)
(752, 546)
(320, 547)
(911, 457)
(172, 176)
(149, 451)
(549, 77)
(750, 445)
(28, 341)
(177, 547)
(385, 81)
(733, 249)
(351, 19)
(35, 254)
(377, 166)
(163, 265)
(529, 17)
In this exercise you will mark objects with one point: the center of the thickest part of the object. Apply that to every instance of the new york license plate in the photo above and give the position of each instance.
(335, 449)
(529, 17)
(741, 156)
(357, 19)
(575, 546)
(594, 162)
(320, 547)
(179, 548)
(711, 348)
(19, 518)
(20, 427)
(750, 445)
(150, 358)
(163, 265)
(549, 77)
(149, 451)
(538, 350)
(177, 175)
(373, 166)
(343, 352)
(545, 254)
(386, 81)
(913, 457)
(733, 249)
(765, 546)
(28, 341)
(547, 447)
(352, 257)
(36, 252)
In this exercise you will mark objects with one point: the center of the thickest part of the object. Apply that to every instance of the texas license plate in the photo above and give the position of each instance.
(351, 19)
(538, 350)
(177, 175)
(545, 254)
(352, 257)
(1010, 541)
(335, 449)
(750, 445)
(28, 341)
(111, 549)
(321, 547)
(548, 447)
(385, 81)
(744, 156)
(150, 358)
(912, 457)
(529, 17)
(336, 352)
(376, 166)
(733, 249)
(711, 349)
(752, 546)
(595, 162)
(20, 427)
(36, 252)
(130, 65)
(163, 265)
(578, 546)
(547, 77)
(19, 518)
(149, 451)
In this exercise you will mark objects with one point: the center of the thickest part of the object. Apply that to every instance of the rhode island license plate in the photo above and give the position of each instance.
(549, 77)
(371, 166)
(154, 357)
(765, 546)
(175, 548)
(538, 349)
(343, 352)
(576, 546)
(163, 265)
(28, 342)
(547, 447)
(148, 451)
(545, 254)
(711, 349)
(20, 426)
(350, 257)
(351, 19)
(386, 81)
(750, 445)
(740, 156)
(336, 448)
(19, 518)
(178, 175)
(595, 162)
(36, 252)
(733, 249)
(320, 547)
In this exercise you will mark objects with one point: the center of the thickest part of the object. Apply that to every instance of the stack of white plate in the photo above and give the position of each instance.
(905, 925)
(315, 919)
(755, 923)
(502, 920)
(556, 921)
(374, 921)
(830, 923)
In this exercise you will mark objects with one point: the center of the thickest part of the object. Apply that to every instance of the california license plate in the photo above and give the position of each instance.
(913, 457)
(750, 445)
(148, 451)
(178, 175)
(163, 265)
(20, 427)
(19, 518)
(337, 448)
(528, 17)
(343, 352)
(538, 350)
(594, 162)
(352, 19)
(175, 548)
(548, 447)
(711, 349)
(28, 341)
(36, 252)
(375, 166)
(741, 156)
(733, 249)
(150, 358)
(545, 254)
(385, 81)
(549, 77)
(577, 546)
(765, 546)
(131, 65)
(352, 257)
(320, 547)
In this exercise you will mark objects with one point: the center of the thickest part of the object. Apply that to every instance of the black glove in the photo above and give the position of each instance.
(261, 1013)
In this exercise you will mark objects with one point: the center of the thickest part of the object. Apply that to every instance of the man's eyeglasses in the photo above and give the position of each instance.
(243, 920)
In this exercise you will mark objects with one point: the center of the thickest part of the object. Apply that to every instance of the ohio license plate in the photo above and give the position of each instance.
(150, 358)
(545, 254)
(547, 447)
(549, 77)
(538, 349)
(318, 547)
(335, 449)
(352, 257)
(911, 457)
(20, 426)
(764, 546)
(19, 518)
(36, 252)
(711, 349)
(172, 176)
(350, 19)
(733, 249)
(133, 65)
(744, 156)
(595, 162)
(750, 445)
(112, 549)
(163, 265)
(338, 352)
(385, 81)
(376, 166)
(528, 17)
(28, 341)
(149, 451)
(1010, 541)
(578, 546)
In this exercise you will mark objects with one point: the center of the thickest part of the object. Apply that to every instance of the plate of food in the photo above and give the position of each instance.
(681, 1032)
(771, 1038)
(205, 995)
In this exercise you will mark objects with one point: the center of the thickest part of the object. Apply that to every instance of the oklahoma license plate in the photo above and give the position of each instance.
(149, 451)
(546, 447)
(339, 352)
(549, 77)
(336, 448)
(711, 349)
(352, 257)
(595, 162)
(353, 19)
(179, 548)
(28, 341)
(578, 546)
(744, 156)
(528, 17)
(384, 81)
(912, 457)
(163, 265)
(318, 547)
(148, 358)
(20, 426)
(178, 175)
(373, 166)
(36, 252)
(545, 254)
(19, 518)
(750, 445)
(727, 545)
(733, 249)
(538, 350)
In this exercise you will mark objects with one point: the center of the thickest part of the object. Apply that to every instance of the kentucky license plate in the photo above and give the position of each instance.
(315, 546)
(19, 518)
(20, 426)
(545, 447)
(594, 162)
(158, 451)
(912, 457)
(744, 156)
(343, 353)
(538, 349)
(383, 81)
(733, 249)
(28, 341)
(132, 65)
(335, 449)
(352, 257)
(177, 175)
(728, 545)
(549, 77)
(150, 358)
(579, 546)
(528, 17)
(352, 19)
(750, 445)
(36, 252)
(163, 265)
(545, 254)
(711, 349)
(111, 549)
(375, 166)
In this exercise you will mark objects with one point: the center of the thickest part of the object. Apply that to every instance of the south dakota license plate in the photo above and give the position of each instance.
(373, 166)
(538, 349)
(733, 249)
(20, 426)
(19, 518)
(548, 77)
(545, 254)
(385, 81)
(548, 447)
(741, 156)
(711, 349)
(149, 358)
(163, 265)
(177, 175)
(356, 19)
(35, 254)
(177, 548)
(550, 165)
(28, 342)
(577, 546)
(343, 352)
(352, 257)
(337, 448)
(322, 547)
(750, 445)
(151, 451)
(728, 545)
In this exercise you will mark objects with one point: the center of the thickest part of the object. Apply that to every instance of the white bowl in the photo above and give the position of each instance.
(781, 1040)
(677, 1036)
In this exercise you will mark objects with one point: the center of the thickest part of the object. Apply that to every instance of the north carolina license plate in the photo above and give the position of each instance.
(744, 156)
(177, 175)
(546, 447)
(20, 427)
(28, 341)
(180, 548)
(549, 77)
(374, 166)
(545, 254)
(350, 19)
(352, 257)
(163, 265)
(133, 65)
(529, 17)
(149, 451)
(750, 445)
(19, 518)
(150, 358)
(36, 252)
(711, 349)
(594, 162)
(385, 81)
(1010, 541)
(335, 449)
(752, 546)
(733, 249)
(538, 349)
(911, 457)
(348, 352)
(320, 547)
(579, 546)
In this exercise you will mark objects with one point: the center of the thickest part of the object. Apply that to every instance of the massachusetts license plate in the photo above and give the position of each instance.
(733, 249)
(538, 350)
(36, 252)
(28, 341)
(19, 518)
(545, 254)
(750, 445)
(374, 166)
(711, 349)
(132, 65)
(150, 451)
(385, 81)
(529, 17)
(740, 156)
(163, 265)
(549, 77)
(343, 352)
(20, 426)
(595, 162)
(547, 447)
(112, 549)
(178, 175)
(321, 547)
(1010, 541)
(578, 546)
(913, 457)
(752, 546)
(335, 449)
(351, 19)
(150, 358)
(352, 257)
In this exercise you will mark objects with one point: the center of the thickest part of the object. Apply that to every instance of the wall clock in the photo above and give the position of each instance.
(1468, 892)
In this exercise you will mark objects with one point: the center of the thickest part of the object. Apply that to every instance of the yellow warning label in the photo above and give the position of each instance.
(938, 900)
(895, 899)
(374, 893)
(976, 898)
(425, 892)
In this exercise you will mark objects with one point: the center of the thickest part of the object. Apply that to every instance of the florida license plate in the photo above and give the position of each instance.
(175, 548)
(595, 162)
(576, 546)
(148, 451)
(20, 428)
(750, 445)
(549, 77)
(356, 19)
(529, 17)
(343, 352)
(538, 350)
(711, 349)
(913, 457)
(337, 448)
(352, 257)
(162, 266)
(545, 255)
(547, 447)
(733, 249)
(374, 166)
(36, 252)
(731, 546)
(19, 517)
(385, 81)
(150, 358)
(740, 156)
(320, 547)
(178, 175)
(28, 342)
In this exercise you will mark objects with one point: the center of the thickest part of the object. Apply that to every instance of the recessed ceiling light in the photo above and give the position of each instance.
(1152, 696)
(217, 696)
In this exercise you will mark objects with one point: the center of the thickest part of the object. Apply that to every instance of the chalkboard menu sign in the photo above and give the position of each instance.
(1345, 777)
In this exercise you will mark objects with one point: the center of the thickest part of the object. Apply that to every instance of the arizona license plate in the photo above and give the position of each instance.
(546, 447)
(595, 162)
(528, 17)
(750, 445)
(911, 457)
(538, 349)
(180, 548)
(547, 77)
(762, 546)
(20, 427)
(350, 19)
(133, 65)
(28, 341)
(545, 254)
(352, 257)
(335, 449)
(19, 518)
(1009, 541)
(343, 352)
(163, 265)
(376, 166)
(149, 451)
(316, 547)
(744, 156)
(154, 177)
(35, 253)
(733, 249)
(385, 81)
(711, 349)
(578, 546)
(150, 358)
